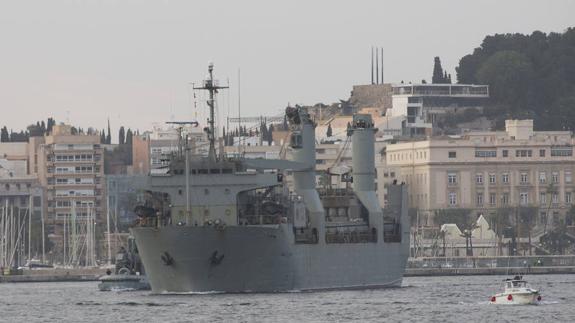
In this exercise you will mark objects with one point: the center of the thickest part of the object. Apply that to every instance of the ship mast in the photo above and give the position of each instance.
(212, 87)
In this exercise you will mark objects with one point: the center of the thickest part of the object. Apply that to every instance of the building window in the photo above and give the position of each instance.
(479, 178)
(542, 217)
(492, 178)
(451, 178)
(561, 151)
(541, 152)
(568, 197)
(568, 177)
(505, 178)
(492, 198)
(505, 153)
(523, 153)
(452, 198)
(555, 177)
(542, 198)
(485, 153)
(524, 178)
(452, 154)
(505, 199)
(542, 177)
(523, 198)
(554, 198)
(479, 199)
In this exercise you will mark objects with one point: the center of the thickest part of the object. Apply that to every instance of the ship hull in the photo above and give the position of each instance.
(186, 259)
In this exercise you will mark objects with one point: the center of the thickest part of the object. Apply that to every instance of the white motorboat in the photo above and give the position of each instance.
(517, 292)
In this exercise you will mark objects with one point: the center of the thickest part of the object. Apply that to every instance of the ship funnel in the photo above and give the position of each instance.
(363, 163)
(302, 142)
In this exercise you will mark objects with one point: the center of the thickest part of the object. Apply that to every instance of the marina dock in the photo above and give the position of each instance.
(414, 272)
(54, 275)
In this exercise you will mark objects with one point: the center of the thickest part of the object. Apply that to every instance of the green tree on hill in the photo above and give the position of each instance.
(528, 76)
(437, 77)
(510, 77)
(121, 135)
(4, 135)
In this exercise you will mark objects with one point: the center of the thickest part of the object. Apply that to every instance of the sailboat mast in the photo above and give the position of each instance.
(30, 229)
(108, 228)
(64, 240)
(43, 238)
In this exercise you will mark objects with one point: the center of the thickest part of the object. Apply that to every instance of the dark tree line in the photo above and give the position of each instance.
(265, 131)
(122, 154)
(106, 138)
(439, 75)
(529, 76)
(40, 128)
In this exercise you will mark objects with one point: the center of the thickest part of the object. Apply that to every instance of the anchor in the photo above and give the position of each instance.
(167, 259)
(215, 259)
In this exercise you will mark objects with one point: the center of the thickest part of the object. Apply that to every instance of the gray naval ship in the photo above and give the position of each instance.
(216, 224)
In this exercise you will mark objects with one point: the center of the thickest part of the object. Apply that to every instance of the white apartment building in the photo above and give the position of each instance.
(422, 104)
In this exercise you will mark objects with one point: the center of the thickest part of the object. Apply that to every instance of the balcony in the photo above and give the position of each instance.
(447, 90)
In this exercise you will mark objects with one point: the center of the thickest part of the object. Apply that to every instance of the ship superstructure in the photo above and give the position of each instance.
(233, 225)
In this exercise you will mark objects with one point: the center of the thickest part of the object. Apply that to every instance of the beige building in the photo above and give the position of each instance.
(486, 170)
(71, 168)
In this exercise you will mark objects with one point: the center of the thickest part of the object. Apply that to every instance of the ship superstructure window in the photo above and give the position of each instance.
(486, 153)
(562, 151)
(452, 198)
(452, 154)
(523, 153)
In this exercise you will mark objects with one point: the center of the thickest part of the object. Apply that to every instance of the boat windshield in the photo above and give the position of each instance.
(516, 284)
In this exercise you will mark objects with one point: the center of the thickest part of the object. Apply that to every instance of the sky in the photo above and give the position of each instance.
(134, 61)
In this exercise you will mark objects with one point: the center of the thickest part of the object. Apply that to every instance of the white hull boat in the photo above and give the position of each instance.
(517, 292)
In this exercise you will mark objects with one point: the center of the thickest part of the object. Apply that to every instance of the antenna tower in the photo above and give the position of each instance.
(212, 87)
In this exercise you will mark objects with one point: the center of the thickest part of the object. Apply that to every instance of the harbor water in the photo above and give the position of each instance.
(421, 299)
